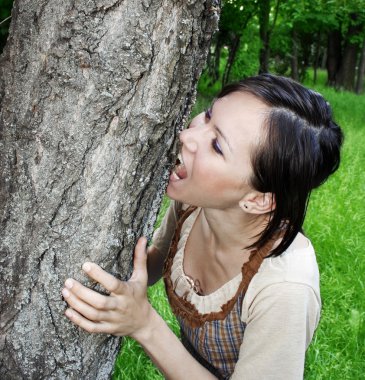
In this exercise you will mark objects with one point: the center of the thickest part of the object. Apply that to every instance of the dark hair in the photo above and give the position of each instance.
(300, 150)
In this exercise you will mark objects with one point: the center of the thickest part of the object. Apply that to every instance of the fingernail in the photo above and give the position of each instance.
(86, 267)
(65, 293)
(69, 283)
(68, 313)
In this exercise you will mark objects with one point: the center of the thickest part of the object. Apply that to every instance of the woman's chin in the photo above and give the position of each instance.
(171, 190)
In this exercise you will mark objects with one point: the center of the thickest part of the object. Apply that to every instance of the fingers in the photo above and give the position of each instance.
(94, 299)
(140, 262)
(108, 281)
(89, 326)
(88, 311)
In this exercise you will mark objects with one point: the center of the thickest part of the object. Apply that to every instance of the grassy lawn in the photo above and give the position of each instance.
(335, 224)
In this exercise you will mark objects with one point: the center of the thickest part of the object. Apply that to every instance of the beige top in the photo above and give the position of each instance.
(281, 307)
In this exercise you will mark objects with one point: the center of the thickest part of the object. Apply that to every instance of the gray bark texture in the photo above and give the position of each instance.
(92, 95)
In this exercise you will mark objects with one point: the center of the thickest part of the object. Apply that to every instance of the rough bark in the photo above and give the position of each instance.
(92, 96)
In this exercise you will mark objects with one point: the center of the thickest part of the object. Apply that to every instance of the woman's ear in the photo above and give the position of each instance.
(258, 203)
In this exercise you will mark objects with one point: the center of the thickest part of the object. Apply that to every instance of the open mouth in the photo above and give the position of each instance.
(179, 172)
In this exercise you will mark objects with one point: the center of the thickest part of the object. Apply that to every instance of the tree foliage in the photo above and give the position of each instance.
(288, 37)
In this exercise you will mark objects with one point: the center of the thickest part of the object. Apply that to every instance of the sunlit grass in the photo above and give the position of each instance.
(335, 224)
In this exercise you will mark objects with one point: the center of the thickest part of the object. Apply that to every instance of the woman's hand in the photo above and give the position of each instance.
(126, 311)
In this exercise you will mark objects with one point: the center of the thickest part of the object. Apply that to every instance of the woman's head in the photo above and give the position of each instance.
(299, 149)
(216, 155)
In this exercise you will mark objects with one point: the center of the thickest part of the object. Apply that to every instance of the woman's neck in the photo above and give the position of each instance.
(233, 229)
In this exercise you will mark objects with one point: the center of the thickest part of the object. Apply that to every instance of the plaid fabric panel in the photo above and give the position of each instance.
(218, 341)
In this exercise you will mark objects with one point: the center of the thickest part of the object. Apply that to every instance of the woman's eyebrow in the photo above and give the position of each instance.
(223, 137)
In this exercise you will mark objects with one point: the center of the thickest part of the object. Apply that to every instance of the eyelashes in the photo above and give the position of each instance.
(216, 147)
(215, 144)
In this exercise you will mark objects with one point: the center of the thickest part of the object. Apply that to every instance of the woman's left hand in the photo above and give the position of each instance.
(125, 311)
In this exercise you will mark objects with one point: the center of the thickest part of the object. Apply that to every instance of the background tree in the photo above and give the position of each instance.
(266, 8)
(92, 95)
(352, 38)
(232, 25)
(301, 24)
(294, 37)
(361, 71)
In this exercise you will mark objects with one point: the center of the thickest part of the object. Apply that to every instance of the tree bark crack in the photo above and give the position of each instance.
(54, 323)
(106, 8)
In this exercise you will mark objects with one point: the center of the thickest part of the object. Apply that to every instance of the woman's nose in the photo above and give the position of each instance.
(188, 139)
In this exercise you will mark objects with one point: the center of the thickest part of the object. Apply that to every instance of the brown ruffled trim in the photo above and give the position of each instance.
(186, 310)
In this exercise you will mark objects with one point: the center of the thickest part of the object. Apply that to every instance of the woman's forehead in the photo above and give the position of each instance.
(239, 112)
(240, 116)
(242, 100)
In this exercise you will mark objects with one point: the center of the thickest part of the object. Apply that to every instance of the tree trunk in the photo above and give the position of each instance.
(235, 43)
(346, 75)
(214, 60)
(317, 47)
(334, 54)
(361, 71)
(347, 71)
(294, 56)
(92, 96)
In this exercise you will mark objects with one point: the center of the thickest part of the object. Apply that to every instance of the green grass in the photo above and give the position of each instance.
(335, 224)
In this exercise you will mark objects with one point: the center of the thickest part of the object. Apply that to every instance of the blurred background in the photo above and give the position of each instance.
(290, 38)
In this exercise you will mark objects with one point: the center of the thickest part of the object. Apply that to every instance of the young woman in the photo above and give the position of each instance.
(240, 275)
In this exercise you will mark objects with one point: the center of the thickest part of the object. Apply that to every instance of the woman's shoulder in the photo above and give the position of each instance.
(291, 276)
(297, 265)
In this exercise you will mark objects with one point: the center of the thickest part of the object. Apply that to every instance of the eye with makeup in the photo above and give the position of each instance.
(216, 146)
(215, 143)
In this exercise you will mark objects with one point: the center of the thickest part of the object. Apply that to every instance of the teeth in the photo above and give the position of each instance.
(179, 156)
(175, 175)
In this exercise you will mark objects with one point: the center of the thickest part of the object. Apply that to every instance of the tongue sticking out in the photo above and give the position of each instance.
(180, 170)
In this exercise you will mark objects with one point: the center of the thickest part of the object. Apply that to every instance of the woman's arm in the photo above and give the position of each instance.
(126, 311)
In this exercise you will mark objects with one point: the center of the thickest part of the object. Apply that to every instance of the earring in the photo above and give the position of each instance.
(243, 205)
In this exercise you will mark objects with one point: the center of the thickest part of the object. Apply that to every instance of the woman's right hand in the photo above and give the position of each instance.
(126, 311)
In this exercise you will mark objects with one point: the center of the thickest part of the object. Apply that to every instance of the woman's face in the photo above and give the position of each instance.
(215, 153)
